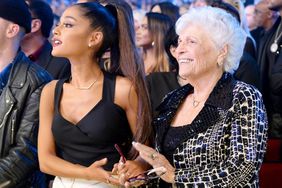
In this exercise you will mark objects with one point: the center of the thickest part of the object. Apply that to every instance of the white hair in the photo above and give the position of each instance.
(223, 29)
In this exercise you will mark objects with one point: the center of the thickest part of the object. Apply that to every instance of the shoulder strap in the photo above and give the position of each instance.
(109, 86)
(58, 93)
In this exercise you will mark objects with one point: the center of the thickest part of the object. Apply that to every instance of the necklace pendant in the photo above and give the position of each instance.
(274, 47)
(195, 103)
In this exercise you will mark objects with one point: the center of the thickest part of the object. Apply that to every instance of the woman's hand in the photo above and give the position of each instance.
(128, 169)
(96, 172)
(156, 160)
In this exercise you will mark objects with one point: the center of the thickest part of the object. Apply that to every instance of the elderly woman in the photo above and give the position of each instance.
(212, 131)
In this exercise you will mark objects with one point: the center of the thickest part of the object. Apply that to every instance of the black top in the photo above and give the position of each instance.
(94, 136)
(159, 84)
(4, 76)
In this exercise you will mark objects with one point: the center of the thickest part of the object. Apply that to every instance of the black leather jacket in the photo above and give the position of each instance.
(19, 120)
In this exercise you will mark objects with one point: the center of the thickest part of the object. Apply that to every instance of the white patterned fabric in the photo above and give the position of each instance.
(225, 144)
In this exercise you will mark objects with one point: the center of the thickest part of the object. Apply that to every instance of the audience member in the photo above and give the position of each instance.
(265, 19)
(73, 147)
(36, 45)
(270, 60)
(212, 131)
(150, 37)
(21, 82)
(161, 83)
(250, 16)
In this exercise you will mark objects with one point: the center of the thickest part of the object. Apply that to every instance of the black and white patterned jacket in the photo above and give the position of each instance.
(225, 144)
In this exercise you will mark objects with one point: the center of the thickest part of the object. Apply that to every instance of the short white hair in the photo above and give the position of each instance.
(223, 29)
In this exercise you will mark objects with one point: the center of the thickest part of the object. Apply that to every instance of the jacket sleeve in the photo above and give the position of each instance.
(276, 78)
(245, 149)
(22, 159)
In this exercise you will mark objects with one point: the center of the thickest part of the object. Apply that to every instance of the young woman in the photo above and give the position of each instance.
(83, 117)
(150, 37)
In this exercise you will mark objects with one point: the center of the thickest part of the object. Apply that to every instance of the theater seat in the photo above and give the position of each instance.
(271, 169)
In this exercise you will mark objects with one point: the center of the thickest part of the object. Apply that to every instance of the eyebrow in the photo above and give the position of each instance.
(70, 17)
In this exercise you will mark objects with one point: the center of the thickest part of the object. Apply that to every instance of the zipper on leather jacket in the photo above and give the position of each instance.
(6, 116)
(12, 131)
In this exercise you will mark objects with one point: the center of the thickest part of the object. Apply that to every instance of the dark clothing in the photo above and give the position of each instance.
(257, 34)
(19, 121)
(250, 48)
(248, 71)
(225, 143)
(4, 76)
(58, 67)
(94, 136)
(270, 66)
(159, 84)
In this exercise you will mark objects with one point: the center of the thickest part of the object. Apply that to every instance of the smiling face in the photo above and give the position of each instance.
(196, 53)
(72, 34)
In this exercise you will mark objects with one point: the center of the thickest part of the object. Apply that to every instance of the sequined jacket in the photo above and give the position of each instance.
(225, 144)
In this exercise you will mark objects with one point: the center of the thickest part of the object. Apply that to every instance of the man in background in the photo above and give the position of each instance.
(36, 45)
(21, 82)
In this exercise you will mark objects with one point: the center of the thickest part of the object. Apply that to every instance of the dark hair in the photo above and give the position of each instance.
(171, 40)
(42, 11)
(126, 61)
(168, 9)
(103, 20)
(131, 66)
(227, 7)
(158, 25)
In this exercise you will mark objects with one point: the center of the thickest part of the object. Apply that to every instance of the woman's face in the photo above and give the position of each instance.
(196, 53)
(143, 36)
(72, 34)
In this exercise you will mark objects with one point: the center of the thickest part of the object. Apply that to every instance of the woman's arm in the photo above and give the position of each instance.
(48, 160)
(127, 98)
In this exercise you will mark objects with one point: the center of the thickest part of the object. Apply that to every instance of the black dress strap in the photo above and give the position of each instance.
(109, 86)
(58, 93)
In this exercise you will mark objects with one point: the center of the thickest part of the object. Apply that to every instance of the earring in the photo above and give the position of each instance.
(89, 45)
(153, 43)
(219, 64)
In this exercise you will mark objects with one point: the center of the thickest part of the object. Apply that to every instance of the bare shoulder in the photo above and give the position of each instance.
(124, 90)
(49, 87)
(123, 85)
(48, 91)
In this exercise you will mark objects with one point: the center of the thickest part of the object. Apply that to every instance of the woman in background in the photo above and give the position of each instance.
(150, 37)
